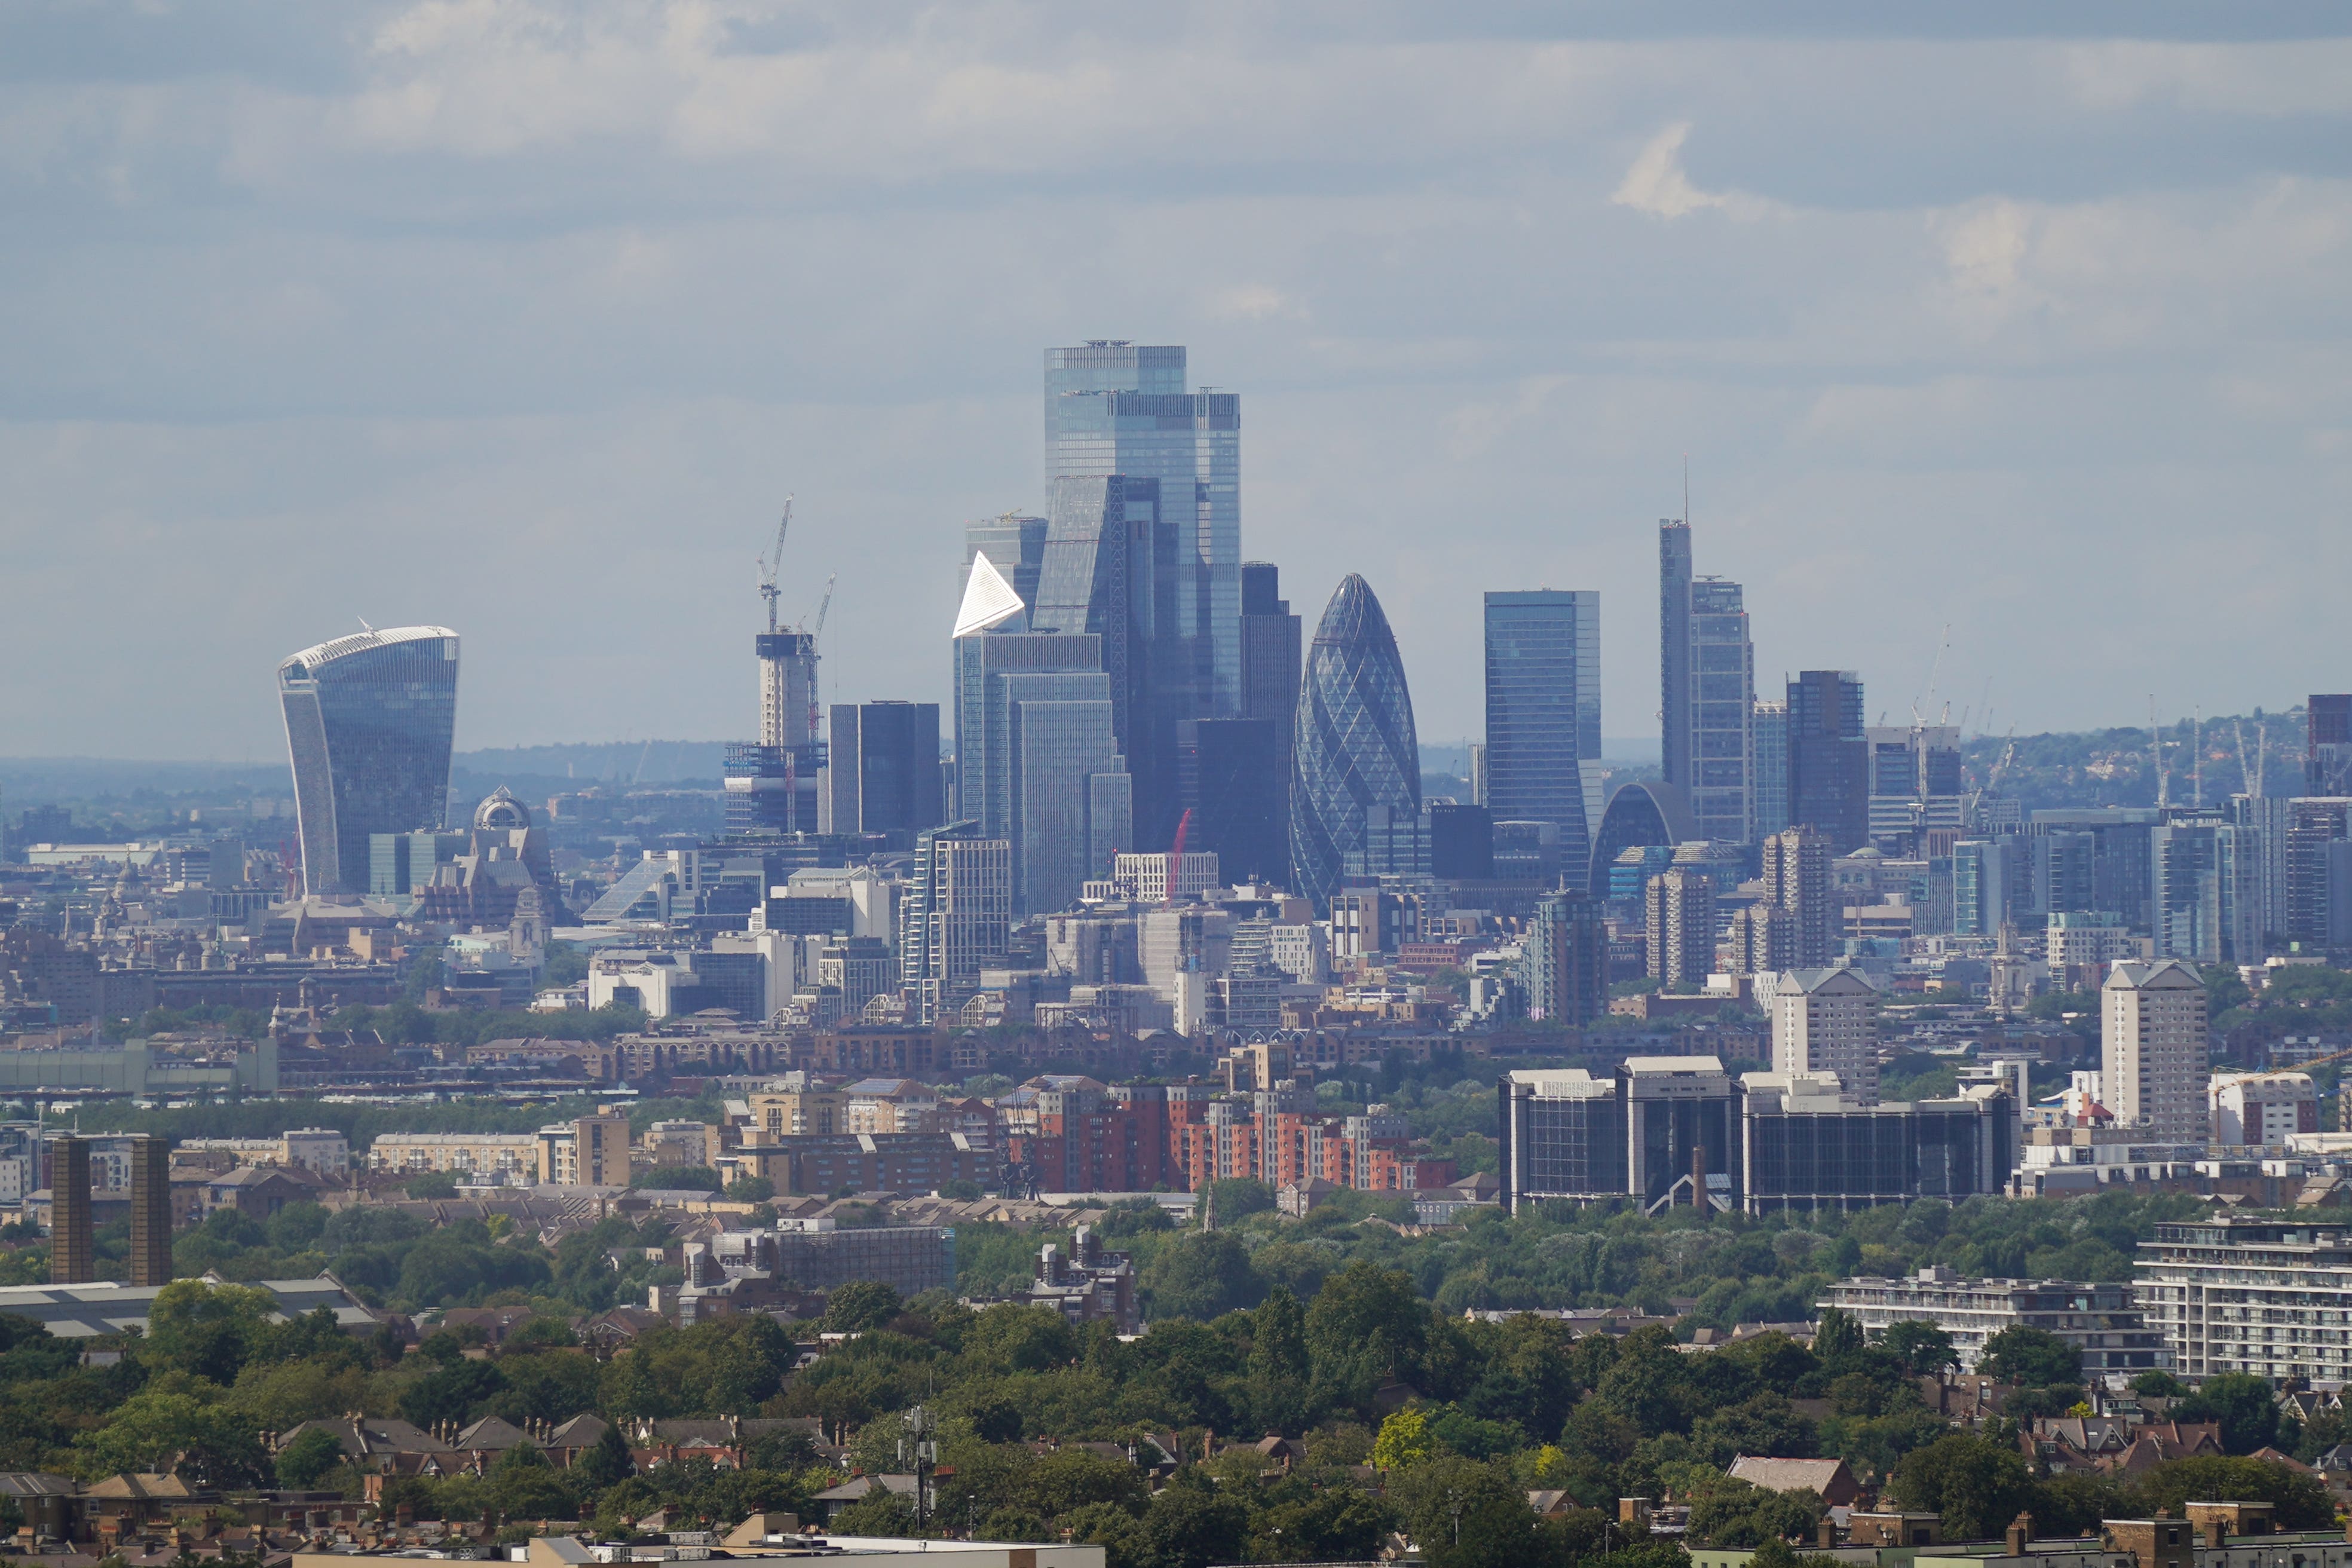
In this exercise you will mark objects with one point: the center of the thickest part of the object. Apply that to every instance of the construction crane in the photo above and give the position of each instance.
(773, 563)
(816, 718)
(1935, 667)
(2007, 754)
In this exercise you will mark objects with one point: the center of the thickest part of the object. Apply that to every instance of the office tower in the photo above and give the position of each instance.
(1770, 769)
(1528, 852)
(1272, 645)
(2117, 839)
(402, 863)
(150, 1211)
(1543, 716)
(1673, 651)
(1987, 874)
(772, 783)
(1110, 569)
(1037, 758)
(1797, 888)
(1014, 544)
(370, 720)
(1829, 761)
(1230, 777)
(1477, 773)
(2152, 1048)
(1396, 844)
(2206, 895)
(73, 1260)
(1565, 962)
(1915, 783)
(1356, 746)
(1115, 407)
(1706, 691)
(1680, 910)
(856, 969)
(2327, 754)
(1272, 648)
(2315, 893)
(1826, 1020)
(1461, 842)
(882, 768)
(2065, 868)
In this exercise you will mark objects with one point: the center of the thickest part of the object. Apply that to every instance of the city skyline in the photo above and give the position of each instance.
(305, 338)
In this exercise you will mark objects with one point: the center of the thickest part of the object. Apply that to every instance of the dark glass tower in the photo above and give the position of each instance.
(1543, 716)
(1829, 759)
(1673, 650)
(1356, 747)
(1229, 775)
(883, 765)
(370, 720)
(2327, 754)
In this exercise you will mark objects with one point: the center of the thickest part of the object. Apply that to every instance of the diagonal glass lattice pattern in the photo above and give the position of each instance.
(1356, 746)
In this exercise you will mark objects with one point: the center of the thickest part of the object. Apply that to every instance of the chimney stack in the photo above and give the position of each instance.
(72, 1258)
(150, 1211)
(2020, 1531)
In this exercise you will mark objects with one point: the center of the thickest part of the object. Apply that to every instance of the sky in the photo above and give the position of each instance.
(523, 319)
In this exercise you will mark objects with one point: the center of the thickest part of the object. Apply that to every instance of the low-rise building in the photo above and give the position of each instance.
(2102, 1321)
(456, 1152)
(2261, 1110)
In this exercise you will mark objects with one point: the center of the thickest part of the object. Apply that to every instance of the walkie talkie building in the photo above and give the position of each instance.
(1355, 748)
(370, 720)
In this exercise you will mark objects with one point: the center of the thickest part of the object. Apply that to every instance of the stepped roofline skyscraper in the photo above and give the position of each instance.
(1356, 747)
(371, 720)
(1118, 407)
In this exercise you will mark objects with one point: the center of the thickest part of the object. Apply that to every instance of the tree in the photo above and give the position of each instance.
(1732, 1513)
(2301, 1500)
(1763, 1424)
(1651, 1383)
(208, 1330)
(302, 1462)
(450, 1392)
(1403, 1441)
(607, 1463)
(2242, 1403)
(2157, 1383)
(1465, 1514)
(751, 1190)
(1337, 1525)
(2033, 1357)
(1837, 1337)
(427, 1185)
(1925, 1350)
(1978, 1485)
(1191, 1525)
(1366, 1325)
(1279, 1368)
(1201, 1276)
(860, 1306)
(158, 1430)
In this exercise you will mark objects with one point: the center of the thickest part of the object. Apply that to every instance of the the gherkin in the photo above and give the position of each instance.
(1356, 746)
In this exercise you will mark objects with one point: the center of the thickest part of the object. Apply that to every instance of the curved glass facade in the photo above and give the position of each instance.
(1356, 746)
(370, 720)
(1642, 814)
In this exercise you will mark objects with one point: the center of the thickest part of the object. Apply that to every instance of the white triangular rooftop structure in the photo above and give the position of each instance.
(988, 599)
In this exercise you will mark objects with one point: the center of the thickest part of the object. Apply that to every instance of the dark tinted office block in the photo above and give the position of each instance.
(1461, 842)
(1229, 775)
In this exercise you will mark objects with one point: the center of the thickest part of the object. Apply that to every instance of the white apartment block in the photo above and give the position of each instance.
(2152, 1055)
(509, 1154)
(1826, 1021)
(2100, 1320)
(321, 1148)
(2261, 1109)
(2267, 1296)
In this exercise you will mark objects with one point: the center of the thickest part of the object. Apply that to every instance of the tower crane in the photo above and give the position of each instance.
(771, 563)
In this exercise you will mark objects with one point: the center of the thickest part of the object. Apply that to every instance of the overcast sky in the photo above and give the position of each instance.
(524, 318)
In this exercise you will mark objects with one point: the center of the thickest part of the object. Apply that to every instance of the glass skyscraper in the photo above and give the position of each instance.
(1829, 760)
(1355, 746)
(1543, 716)
(370, 722)
(1114, 407)
(1707, 691)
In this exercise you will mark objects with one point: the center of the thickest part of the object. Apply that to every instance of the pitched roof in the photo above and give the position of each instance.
(1787, 1475)
(580, 1432)
(490, 1432)
(142, 1485)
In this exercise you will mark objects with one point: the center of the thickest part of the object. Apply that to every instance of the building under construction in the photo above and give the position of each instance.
(772, 783)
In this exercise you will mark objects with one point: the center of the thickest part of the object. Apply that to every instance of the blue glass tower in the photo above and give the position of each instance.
(370, 722)
(1543, 716)
(1115, 407)
(1355, 748)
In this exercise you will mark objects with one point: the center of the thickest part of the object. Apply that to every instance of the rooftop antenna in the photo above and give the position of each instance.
(770, 564)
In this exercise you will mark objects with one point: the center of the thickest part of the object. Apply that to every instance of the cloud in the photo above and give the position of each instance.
(1657, 183)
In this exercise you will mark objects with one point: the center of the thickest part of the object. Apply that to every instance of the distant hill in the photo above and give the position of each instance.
(2118, 767)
